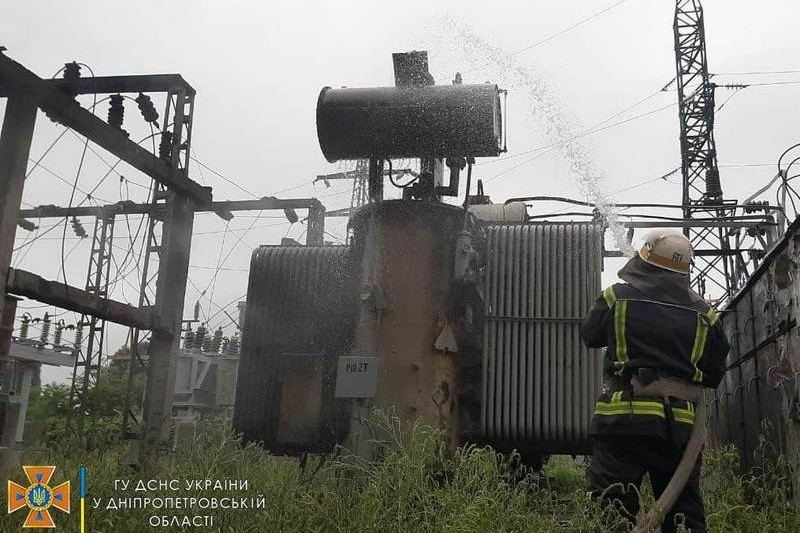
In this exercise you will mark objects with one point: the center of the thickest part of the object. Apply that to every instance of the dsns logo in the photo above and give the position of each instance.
(38, 496)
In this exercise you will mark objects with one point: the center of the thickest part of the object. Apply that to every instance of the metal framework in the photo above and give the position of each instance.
(88, 361)
(180, 195)
(155, 210)
(701, 183)
(147, 298)
(360, 194)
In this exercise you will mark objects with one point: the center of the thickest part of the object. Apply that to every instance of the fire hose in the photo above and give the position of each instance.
(650, 522)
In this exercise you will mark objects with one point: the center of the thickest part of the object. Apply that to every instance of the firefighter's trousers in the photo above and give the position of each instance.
(620, 462)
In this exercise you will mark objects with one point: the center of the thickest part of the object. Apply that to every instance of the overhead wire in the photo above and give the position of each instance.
(219, 175)
(756, 73)
(142, 219)
(234, 301)
(63, 271)
(550, 147)
(550, 37)
(219, 260)
(113, 167)
(66, 129)
(772, 83)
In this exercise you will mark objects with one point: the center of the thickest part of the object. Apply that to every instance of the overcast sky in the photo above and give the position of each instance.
(258, 68)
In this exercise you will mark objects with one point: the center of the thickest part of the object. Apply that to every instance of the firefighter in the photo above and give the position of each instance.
(656, 331)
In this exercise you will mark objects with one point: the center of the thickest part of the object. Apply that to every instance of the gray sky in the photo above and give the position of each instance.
(258, 68)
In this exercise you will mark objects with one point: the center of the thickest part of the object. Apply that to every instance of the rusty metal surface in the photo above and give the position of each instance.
(539, 381)
(300, 316)
(407, 253)
(761, 385)
(413, 121)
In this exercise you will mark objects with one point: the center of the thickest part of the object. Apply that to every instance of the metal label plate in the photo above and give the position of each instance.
(356, 377)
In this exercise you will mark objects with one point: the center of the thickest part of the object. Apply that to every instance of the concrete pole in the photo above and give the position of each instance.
(15, 148)
(173, 272)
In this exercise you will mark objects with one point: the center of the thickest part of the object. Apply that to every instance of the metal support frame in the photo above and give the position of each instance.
(156, 211)
(147, 298)
(360, 194)
(226, 208)
(26, 92)
(89, 361)
(173, 252)
(699, 167)
(60, 106)
(147, 83)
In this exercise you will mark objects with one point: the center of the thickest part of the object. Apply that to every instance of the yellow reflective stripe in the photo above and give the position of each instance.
(631, 411)
(712, 315)
(683, 415)
(634, 407)
(617, 407)
(610, 297)
(620, 315)
(700, 339)
(700, 332)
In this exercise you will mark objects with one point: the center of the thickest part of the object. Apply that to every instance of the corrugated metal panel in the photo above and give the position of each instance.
(539, 381)
(301, 306)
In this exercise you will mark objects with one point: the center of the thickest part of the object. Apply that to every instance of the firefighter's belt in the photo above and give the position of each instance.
(668, 388)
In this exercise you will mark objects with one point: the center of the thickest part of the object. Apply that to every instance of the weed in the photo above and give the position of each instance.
(416, 485)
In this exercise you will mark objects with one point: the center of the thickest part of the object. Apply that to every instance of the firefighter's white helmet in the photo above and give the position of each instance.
(668, 249)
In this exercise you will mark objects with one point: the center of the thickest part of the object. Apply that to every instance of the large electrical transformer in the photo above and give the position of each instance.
(466, 317)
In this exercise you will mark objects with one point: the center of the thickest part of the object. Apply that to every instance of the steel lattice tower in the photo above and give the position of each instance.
(360, 196)
(86, 371)
(702, 192)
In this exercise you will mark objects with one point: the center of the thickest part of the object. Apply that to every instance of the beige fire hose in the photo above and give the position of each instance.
(650, 522)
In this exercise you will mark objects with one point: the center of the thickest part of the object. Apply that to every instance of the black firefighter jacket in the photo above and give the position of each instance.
(664, 339)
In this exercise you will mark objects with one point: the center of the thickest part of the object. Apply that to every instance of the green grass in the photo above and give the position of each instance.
(418, 486)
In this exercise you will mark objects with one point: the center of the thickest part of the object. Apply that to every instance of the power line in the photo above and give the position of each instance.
(60, 135)
(71, 199)
(584, 134)
(219, 175)
(748, 165)
(770, 83)
(591, 130)
(219, 262)
(113, 167)
(223, 308)
(551, 37)
(215, 268)
(228, 180)
(198, 234)
(663, 177)
(239, 240)
(570, 28)
(756, 73)
(66, 182)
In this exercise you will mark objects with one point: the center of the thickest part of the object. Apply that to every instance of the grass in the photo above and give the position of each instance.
(418, 486)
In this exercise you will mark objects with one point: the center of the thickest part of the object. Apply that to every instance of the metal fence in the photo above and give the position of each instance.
(761, 387)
